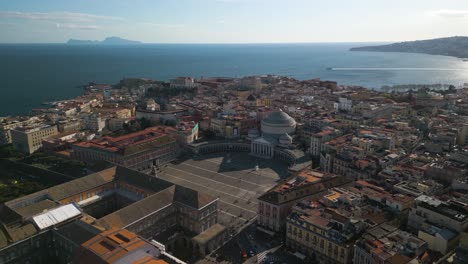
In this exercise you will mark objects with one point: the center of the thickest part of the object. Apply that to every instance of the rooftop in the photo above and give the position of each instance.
(56, 216)
(210, 233)
(450, 210)
(45, 209)
(149, 138)
(113, 245)
(315, 181)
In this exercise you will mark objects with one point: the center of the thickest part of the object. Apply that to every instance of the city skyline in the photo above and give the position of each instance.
(231, 21)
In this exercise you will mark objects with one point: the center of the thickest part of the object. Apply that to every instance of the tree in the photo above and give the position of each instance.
(170, 122)
(145, 123)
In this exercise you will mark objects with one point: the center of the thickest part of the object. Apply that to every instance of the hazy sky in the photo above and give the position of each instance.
(231, 21)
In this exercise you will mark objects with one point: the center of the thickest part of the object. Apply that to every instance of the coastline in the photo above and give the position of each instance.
(357, 49)
(32, 74)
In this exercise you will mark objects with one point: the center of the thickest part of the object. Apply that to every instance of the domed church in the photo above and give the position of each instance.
(277, 129)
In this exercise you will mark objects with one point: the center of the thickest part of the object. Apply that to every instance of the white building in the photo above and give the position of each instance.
(93, 122)
(182, 82)
(344, 104)
(28, 139)
(434, 211)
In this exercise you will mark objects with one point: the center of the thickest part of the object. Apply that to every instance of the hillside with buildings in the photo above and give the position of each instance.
(451, 46)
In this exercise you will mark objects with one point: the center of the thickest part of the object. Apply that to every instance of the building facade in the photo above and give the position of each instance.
(28, 139)
(323, 233)
(6, 126)
(140, 150)
(275, 205)
(93, 122)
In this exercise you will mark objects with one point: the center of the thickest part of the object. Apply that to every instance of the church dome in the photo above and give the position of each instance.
(253, 133)
(279, 118)
(285, 139)
(278, 123)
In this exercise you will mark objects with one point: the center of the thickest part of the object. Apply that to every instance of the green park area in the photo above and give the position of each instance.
(21, 175)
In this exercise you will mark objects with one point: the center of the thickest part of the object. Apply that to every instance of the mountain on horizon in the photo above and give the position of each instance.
(452, 46)
(106, 41)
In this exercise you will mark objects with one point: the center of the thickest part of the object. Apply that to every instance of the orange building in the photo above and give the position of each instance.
(118, 246)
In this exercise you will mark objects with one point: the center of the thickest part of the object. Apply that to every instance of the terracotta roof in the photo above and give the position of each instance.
(109, 247)
(131, 143)
(316, 185)
(399, 259)
(149, 260)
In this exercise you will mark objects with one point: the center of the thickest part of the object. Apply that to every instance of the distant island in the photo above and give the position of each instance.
(107, 41)
(451, 46)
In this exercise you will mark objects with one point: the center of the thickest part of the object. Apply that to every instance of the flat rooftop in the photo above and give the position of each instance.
(454, 212)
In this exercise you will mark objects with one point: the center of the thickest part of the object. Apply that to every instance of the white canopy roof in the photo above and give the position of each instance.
(56, 216)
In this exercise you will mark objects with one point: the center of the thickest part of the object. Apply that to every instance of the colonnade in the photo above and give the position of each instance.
(262, 150)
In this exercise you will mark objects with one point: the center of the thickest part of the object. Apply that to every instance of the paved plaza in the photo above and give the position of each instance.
(232, 177)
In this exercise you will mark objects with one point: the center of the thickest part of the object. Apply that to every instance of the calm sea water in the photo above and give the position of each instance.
(32, 74)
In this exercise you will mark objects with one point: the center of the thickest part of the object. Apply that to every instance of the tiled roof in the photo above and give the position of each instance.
(109, 247)
(141, 180)
(273, 195)
(18, 233)
(192, 198)
(36, 208)
(70, 188)
(210, 233)
(138, 210)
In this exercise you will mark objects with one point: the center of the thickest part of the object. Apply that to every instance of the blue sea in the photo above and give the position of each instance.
(36, 73)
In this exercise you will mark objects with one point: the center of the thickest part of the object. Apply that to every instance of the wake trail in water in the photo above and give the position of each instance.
(396, 69)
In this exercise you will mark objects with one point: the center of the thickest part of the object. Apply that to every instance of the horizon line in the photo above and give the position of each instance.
(193, 43)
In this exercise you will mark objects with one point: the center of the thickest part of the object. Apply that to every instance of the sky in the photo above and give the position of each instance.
(231, 21)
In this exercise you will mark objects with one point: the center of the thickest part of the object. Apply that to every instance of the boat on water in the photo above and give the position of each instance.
(329, 69)
(466, 60)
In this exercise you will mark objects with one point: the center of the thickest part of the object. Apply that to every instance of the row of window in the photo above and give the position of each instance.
(332, 250)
